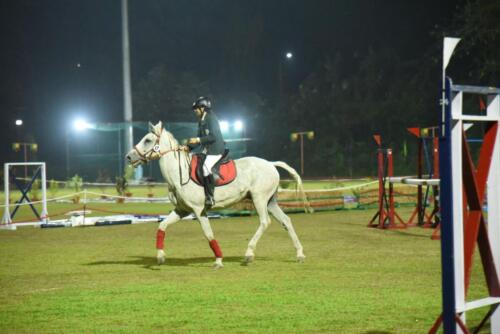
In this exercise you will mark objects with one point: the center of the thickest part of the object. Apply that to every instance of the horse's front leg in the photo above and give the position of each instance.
(209, 234)
(172, 218)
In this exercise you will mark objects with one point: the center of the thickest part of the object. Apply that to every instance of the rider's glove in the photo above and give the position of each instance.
(193, 141)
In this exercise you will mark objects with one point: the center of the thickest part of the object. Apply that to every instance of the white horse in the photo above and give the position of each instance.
(256, 178)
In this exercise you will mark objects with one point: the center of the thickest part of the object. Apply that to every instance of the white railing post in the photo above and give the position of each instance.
(6, 214)
(44, 214)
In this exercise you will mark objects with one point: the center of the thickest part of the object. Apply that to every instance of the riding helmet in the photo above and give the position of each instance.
(202, 102)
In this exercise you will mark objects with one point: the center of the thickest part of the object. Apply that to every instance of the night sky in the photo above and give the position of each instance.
(44, 41)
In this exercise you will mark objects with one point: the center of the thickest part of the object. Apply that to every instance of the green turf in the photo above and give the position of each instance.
(105, 279)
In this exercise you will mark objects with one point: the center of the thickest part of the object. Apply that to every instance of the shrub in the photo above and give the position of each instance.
(121, 185)
(103, 178)
(53, 188)
(35, 190)
(75, 183)
(285, 184)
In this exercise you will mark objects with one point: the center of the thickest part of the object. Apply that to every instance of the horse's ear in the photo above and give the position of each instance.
(151, 127)
(158, 127)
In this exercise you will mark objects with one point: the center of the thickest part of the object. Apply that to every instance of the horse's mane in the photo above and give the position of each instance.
(171, 137)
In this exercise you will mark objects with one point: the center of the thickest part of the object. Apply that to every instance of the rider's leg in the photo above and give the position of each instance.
(209, 183)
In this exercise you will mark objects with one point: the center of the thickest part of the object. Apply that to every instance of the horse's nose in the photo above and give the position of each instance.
(129, 159)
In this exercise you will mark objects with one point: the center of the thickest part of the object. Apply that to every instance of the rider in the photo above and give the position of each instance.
(211, 142)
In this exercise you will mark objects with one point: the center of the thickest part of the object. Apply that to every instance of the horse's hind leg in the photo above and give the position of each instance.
(286, 222)
(261, 207)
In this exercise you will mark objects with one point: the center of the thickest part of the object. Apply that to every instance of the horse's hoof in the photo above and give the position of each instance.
(249, 258)
(301, 258)
(218, 264)
(160, 256)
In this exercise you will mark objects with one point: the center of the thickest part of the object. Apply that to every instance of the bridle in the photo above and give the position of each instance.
(155, 153)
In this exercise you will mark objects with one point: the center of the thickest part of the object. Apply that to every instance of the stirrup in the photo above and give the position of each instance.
(209, 202)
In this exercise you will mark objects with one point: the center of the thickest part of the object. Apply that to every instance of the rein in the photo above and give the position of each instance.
(188, 162)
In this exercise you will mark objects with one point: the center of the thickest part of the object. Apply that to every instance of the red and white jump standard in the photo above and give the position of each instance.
(464, 189)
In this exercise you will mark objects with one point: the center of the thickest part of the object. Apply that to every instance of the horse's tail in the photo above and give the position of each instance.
(297, 179)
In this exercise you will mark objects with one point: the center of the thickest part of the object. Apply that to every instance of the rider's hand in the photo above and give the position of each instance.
(193, 141)
(184, 148)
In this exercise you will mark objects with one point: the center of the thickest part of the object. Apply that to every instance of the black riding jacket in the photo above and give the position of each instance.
(210, 135)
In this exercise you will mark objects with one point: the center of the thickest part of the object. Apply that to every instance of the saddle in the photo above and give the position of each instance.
(224, 171)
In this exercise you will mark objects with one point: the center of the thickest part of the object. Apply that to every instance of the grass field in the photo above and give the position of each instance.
(105, 279)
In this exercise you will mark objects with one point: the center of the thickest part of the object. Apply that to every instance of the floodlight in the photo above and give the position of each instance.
(238, 125)
(224, 126)
(19, 122)
(81, 124)
(289, 55)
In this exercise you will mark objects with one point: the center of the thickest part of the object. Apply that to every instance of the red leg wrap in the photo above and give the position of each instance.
(215, 247)
(160, 237)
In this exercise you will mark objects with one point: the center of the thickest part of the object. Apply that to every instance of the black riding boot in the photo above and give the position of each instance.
(209, 185)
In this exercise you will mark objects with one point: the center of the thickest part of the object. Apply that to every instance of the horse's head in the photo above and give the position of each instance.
(151, 146)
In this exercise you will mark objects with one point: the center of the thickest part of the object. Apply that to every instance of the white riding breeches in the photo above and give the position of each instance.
(210, 161)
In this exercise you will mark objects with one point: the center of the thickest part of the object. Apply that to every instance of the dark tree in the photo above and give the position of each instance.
(167, 95)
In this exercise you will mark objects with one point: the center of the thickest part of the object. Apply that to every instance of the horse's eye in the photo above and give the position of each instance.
(147, 141)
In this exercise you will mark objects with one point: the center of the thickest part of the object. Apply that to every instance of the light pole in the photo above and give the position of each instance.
(67, 153)
(119, 131)
(127, 87)
(17, 147)
(32, 146)
(296, 135)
